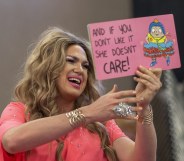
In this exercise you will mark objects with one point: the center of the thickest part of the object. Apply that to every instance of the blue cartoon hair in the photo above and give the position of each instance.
(156, 23)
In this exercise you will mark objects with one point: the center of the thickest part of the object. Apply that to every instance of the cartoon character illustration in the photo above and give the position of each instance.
(157, 44)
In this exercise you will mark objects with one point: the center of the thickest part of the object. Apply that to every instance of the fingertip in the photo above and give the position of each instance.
(134, 92)
(115, 86)
(135, 78)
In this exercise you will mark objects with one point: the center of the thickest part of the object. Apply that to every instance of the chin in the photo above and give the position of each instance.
(74, 94)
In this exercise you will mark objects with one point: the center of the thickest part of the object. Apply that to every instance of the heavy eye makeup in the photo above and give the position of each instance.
(85, 65)
(70, 59)
(73, 60)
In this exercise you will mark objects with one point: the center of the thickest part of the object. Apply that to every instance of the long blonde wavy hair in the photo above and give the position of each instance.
(38, 91)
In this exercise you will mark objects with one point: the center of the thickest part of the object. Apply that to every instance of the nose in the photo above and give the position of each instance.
(78, 68)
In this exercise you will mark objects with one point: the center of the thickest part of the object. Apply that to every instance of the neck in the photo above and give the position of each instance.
(65, 105)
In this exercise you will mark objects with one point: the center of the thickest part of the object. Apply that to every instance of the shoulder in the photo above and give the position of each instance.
(113, 130)
(15, 106)
(13, 109)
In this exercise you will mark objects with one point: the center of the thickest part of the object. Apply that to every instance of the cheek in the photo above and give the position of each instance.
(86, 77)
(60, 82)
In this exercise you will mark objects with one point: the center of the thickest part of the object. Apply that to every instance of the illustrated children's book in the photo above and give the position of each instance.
(120, 46)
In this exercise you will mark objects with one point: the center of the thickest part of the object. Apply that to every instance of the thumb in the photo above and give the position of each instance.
(114, 89)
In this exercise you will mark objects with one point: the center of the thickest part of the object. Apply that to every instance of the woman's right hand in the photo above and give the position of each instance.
(102, 109)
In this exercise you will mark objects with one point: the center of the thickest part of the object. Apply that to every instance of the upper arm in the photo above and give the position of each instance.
(122, 144)
(114, 131)
(124, 148)
(12, 116)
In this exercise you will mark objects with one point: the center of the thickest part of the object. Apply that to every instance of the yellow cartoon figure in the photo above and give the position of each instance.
(156, 43)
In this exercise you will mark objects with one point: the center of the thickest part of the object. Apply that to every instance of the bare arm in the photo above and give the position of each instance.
(146, 142)
(35, 133)
(41, 131)
(145, 145)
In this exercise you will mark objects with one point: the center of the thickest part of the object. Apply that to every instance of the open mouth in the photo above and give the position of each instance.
(75, 82)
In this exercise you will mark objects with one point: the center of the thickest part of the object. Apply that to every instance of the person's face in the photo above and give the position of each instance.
(156, 32)
(73, 78)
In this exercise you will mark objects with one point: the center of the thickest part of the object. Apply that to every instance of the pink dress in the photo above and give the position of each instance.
(79, 144)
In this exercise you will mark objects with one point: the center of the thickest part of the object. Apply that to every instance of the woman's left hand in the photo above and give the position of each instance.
(148, 84)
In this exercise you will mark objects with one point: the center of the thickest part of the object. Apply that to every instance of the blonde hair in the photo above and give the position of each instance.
(37, 88)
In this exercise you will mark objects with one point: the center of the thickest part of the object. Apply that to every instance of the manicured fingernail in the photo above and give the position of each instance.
(116, 86)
